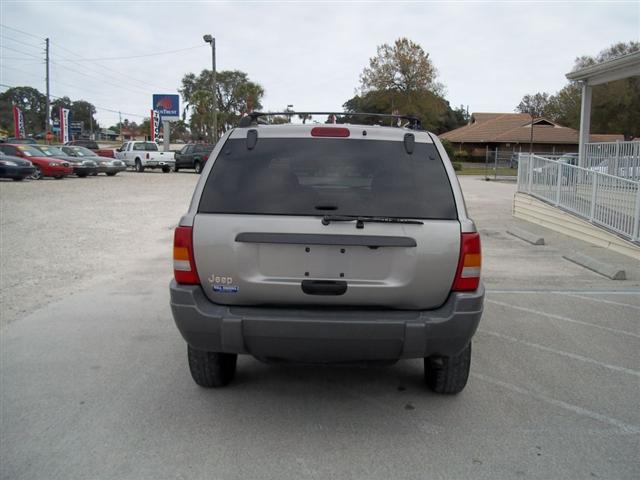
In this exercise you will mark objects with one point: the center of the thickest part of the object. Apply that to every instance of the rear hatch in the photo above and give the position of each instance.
(363, 220)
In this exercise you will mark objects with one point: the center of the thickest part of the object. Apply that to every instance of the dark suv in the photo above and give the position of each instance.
(193, 155)
(334, 243)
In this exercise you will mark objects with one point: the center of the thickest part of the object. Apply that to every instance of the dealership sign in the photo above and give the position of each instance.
(18, 123)
(167, 106)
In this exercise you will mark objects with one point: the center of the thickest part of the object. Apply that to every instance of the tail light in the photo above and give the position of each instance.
(468, 273)
(330, 132)
(184, 265)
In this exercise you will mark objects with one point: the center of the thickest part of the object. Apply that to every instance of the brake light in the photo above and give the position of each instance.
(330, 132)
(184, 265)
(468, 273)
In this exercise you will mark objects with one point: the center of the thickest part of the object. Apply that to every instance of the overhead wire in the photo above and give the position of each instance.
(144, 83)
(156, 54)
(21, 31)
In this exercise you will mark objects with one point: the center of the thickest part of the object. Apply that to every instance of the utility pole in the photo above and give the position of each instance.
(212, 41)
(47, 126)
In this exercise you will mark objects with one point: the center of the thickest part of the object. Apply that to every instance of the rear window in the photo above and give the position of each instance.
(145, 146)
(310, 176)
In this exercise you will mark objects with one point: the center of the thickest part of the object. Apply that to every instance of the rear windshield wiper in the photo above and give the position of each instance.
(360, 220)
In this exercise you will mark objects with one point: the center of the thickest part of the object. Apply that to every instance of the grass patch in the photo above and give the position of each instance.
(502, 172)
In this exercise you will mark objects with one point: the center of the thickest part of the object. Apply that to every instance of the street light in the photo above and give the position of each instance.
(212, 41)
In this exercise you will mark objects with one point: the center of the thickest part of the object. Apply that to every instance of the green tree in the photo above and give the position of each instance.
(236, 95)
(534, 105)
(33, 106)
(402, 67)
(83, 111)
(401, 78)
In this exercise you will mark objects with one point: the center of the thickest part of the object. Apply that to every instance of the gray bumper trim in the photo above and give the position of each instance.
(325, 334)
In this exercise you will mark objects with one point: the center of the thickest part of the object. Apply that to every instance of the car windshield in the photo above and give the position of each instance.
(145, 146)
(83, 152)
(301, 176)
(51, 151)
(29, 151)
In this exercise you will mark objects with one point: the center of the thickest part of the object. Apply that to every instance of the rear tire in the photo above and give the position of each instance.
(18, 179)
(211, 369)
(138, 166)
(448, 375)
(166, 169)
(176, 168)
(111, 174)
(197, 167)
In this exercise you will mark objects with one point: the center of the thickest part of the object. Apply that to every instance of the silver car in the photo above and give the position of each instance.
(328, 243)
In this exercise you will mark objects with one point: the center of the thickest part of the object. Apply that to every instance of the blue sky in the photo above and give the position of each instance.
(309, 54)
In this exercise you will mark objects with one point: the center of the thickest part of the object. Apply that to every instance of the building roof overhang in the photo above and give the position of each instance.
(609, 71)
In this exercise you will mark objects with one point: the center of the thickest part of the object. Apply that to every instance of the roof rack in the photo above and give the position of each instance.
(255, 118)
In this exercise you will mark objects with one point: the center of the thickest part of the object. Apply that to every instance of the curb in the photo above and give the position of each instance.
(610, 271)
(527, 236)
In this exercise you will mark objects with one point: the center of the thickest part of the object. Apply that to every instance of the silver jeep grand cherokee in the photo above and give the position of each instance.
(327, 243)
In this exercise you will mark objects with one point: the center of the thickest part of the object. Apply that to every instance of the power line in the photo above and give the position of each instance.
(97, 107)
(22, 31)
(93, 77)
(144, 83)
(37, 47)
(21, 51)
(31, 74)
(166, 52)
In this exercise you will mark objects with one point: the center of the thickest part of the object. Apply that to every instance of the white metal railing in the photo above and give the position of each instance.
(621, 159)
(607, 200)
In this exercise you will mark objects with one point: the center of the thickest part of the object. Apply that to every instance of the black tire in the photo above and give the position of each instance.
(176, 168)
(197, 167)
(166, 169)
(138, 166)
(18, 179)
(37, 174)
(211, 369)
(84, 175)
(111, 174)
(59, 177)
(448, 375)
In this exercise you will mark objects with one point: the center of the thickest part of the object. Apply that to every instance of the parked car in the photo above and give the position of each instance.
(193, 155)
(15, 168)
(109, 166)
(92, 145)
(141, 155)
(82, 168)
(25, 141)
(44, 166)
(328, 244)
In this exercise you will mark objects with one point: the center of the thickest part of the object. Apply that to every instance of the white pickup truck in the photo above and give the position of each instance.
(141, 155)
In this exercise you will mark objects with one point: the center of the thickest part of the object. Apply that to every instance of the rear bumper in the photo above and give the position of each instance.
(159, 163)
(325, 334)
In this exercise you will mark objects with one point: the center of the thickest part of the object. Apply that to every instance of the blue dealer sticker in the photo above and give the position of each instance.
(225, 289)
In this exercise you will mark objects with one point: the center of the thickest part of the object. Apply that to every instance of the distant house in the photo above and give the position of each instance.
(512, 131)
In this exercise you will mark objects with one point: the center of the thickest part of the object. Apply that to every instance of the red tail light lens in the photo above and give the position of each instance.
(184, 265)
(330, 132)
(468, 273)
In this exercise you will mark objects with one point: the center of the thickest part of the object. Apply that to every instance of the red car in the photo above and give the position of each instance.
(45, 167)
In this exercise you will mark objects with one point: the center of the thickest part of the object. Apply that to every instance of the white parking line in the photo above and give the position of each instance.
(563, 353)
(625, 427)
(543, 291)
(602, 300)
(565, 319)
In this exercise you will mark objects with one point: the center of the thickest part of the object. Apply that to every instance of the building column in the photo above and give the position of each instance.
(585, 122)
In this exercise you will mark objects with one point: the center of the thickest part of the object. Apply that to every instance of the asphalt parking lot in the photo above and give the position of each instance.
(95, 384)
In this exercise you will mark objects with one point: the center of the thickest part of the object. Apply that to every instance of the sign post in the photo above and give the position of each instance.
(168, 108)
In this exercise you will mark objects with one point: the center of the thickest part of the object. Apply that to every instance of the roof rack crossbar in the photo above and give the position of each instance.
(254, 118)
